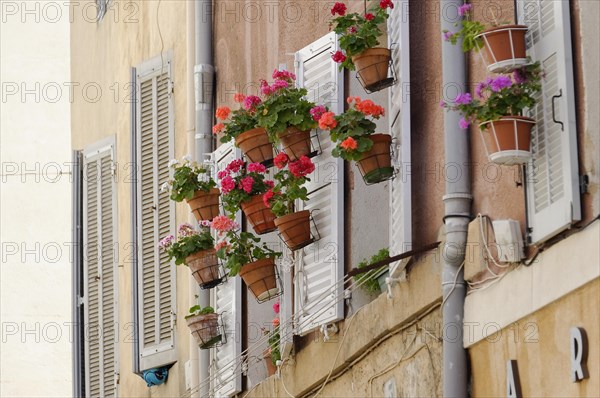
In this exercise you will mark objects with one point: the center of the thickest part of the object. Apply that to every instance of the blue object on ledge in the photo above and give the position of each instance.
(156, 376)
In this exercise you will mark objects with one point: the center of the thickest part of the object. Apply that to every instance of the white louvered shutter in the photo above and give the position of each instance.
(552, 178)
(320, 266)
(226, 361)
(100, 272)
(156, 215)
(400, 128)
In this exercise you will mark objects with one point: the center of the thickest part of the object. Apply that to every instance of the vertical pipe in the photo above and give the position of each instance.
(457, 206)
(203, 84)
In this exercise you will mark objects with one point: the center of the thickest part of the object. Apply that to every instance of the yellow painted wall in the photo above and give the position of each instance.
(541, 345)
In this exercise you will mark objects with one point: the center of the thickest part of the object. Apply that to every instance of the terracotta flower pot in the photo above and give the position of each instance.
(205, 329)
(271, 368)
(205, 205)
(295, 142)
(256, 145)
(205, 268)
(376, 165)
(508, 139)
(295, 229)
(372, 68)
(261, 279)
(504, 47)
(260, 216)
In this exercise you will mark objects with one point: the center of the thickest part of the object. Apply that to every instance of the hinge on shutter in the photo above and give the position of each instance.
(170, 86)
(113, 169)
(80, 301)
(584, 182)
(117, 378)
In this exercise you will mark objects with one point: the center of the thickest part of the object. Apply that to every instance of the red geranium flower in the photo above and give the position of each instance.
(386, 4)
(349, 144)
(301, 167)
(339, 8)
(338, 57)
(369, 17)
(281, 160)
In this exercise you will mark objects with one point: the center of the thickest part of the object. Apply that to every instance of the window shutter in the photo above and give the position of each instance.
(100, 273)
(156, 215)
(399, 117)
(226, 369)
(320, 266)
(552, 180)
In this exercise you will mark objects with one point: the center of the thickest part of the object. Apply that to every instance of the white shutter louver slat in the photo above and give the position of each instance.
(400, 235)
(320, 266)
(553, 199)
(156, 284)
(227, 300)
(100, 272)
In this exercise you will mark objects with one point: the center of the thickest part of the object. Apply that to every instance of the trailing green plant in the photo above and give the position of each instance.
(469, 30)
(239, 183)
(499, 96)
(357, 32)
(368, 279)
(233, 123)
(289, 187)
(238, 248)
(198, 310)
(284, 106)
(188, 177)
(351, 130)
(189, 241)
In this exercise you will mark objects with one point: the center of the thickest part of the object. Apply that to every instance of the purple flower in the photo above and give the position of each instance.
(463, 99)
(479, 89)
(166, 242)
(443, 104)
(463, 123)
(500, 82)
(448, 35)
(520, 76)
(465, 8)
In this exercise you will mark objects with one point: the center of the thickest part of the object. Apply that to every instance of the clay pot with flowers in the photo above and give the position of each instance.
(242, 187)
(242, 126)
(195, 248)
(192, 181)
(353, 132)
(204, 326)
(293, 226)
(285, 114)
(273, 353)
(504, 43)
(498, 107)
(244, 254)
(359, 40)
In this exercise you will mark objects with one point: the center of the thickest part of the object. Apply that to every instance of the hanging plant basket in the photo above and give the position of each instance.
(256, 146)
(206, 269)
(296, 143)
(295, 229)
(376, 165)
(504, 48)
(260, 216)
(373, 69)
(508, 139)
(205, 205)
(262, 279)
(271, 368)
(207, 329)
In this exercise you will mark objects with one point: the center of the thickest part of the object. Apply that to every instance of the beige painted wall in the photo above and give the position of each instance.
(35, 200)
(540, 344)
(102, 56)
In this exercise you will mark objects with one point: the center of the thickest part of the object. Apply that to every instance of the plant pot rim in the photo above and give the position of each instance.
(517, 118)
(212, 191)
(212, 315)
(373, 51)
(501, 28)
(292, 130)
(258, 263)
(291, 216)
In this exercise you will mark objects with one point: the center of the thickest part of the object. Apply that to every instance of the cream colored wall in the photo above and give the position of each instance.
(540, 343)
(388, 338)
(102, 56)
(35, 201)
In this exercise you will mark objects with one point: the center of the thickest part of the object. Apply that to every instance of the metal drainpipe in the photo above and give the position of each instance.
(203, 83)
(457, 204)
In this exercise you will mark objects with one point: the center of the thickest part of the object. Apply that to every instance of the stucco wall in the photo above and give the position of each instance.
(102, 56)
(541, 345)
(35, 200)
